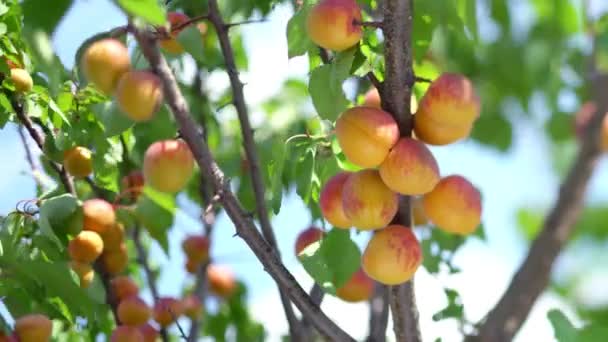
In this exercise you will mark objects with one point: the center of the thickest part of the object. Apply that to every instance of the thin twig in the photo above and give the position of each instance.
(36, 174)
(374, 24)
(244, 225)
(246, 22)
(190, 22)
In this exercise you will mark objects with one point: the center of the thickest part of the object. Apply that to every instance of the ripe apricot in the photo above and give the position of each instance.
(454, 205)
(331, 24)
(85, 247)
(139, 95)
(192, 306)
(368, 202)
(435, 133)
(410, 168)
(358, 288)
(171, 44)
(196, 248)
(33, 328)
(115, 262)
(307, 237)
(581, 120)
(167, 310)
(84, 271)
(123, 287)
(366, 135)
(78, 161)
(99, 215)
(22, 80)
(133, 311)
(149, 333)
(104, 62)
(113, 237)
(127, 333)
(330, 201)
(133, 184)
(392, 255)
(222, 282)
(372, 99)
(168, 165)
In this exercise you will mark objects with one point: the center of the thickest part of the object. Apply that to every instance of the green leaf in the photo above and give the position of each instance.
(560, 127)
(192, 41)
(304, 174)
(149, 10)
(155, 210)
(298, 42)
(275, 174)
(467, 10)
(454, 308)
(44, 57)
(325, 85)
(493, 130)
(64, 214)
(113, 120)
(40, 14)
(529, 222)
(564, 330)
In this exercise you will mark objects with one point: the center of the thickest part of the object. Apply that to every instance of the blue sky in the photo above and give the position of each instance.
(523, 177)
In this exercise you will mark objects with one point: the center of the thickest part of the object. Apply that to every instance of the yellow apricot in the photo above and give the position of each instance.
(84, 271)
(78, 161)
(133, 311)
(139, 95)
(115, 261)
(168, 165)
(435, 133)
(104, 62)
(196, 248)
(126, 333)
(22, 80)
(85, 247)
(372, 99)
(123, 287)
(113, 237)
(99, 215)
(331, 24)
(358, 288)
(330, 201)
(33, 328)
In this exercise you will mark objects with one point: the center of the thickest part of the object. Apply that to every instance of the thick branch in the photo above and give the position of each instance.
(533, 276)
(378, 318)
(244, 225)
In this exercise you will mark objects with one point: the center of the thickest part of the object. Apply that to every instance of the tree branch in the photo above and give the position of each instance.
(30, 159)
(245, 227)
(378, 318)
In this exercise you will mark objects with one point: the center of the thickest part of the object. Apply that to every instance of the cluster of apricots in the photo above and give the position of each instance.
(392, 164)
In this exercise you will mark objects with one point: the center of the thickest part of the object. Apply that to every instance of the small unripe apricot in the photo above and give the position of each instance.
(115, 262)
(84, 271)
(127, 333)
(192, 306)
(368, 202)
(168, 165)
(307, 237)
(454, 205)
(392, 255)
(99, 215)
(33, 328)
(331, 24)
(133, 183)
(139, 95)
(330, 201)
(104, 62)
(418, 215)
(581, 120)
(221, 280)
(358, 288)
(372, 99)
(113, 237)
(192, 266)
(366, 135)
(450, 100)
(167, 310)
(434, 133)
(133, 311)
(78, 161)
(22, 80)
(85, 247)
(196, 248)
(410, 168)
(149, 333)
(123, 287)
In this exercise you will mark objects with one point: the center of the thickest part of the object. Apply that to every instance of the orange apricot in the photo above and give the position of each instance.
(126, 333)
(168, 165)
(435, 133)
(331, 24)
(22, 80)
(139, 95)
(193, 308)
(167, 310)
(85, 247)
(330, 201)
(222, 282)
(84, 271)
(78, 161)
(33, 328)
(115, 261)
(104, 62)
(307, 237)
(358, 288)
(196, 248)
(133, 311)
(99, 215)
(123, 287)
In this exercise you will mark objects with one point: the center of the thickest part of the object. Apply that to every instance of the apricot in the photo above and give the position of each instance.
(168, 165)
(133, 311)
(392, 255)
(84, 271)
(85, 247)
(22, 80)
(434, 133)
(167, 310)
(115, 262)
(149, 333)
(192, 306)
(126, 333)
(33, 328)
(78, 161)
(104, 62)
(372, 99)
(418, 215)
(331, 24)
(99, 215)
(330, 201)
(222, 282)
(192, 266)
(8, 338)
(139, 95)
(307, 237)
(176, 19)
(113, 237)
(358, 288)
(581, 120)
(368, 203)
(123, 287)
(450, 100)
(410, 168)
(133, 184)
(454, 205)
(196, 248)
(366, 135)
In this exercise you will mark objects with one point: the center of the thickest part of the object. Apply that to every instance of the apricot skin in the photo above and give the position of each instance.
(168, 165)
(167, 310)
(372, 99)
(450, 100)
(192, 306)
(104, 62)
(148, 332)
(330, 201)
(392, 255)
(113, 237)
(367, 201)
(133, 311)
(139, 95)
(22, 80)
(115, 262)
(85, 247)
(330, 24)
(221, 280)
(196, 248)
(308, 237)
(99, 215)
(366, 135)
(358, 288)
(435, 133)
(454, 205)
(126, 333)
(123, 287)
(84, 271)
(78, 161)
(410, 168)
(33, 328)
